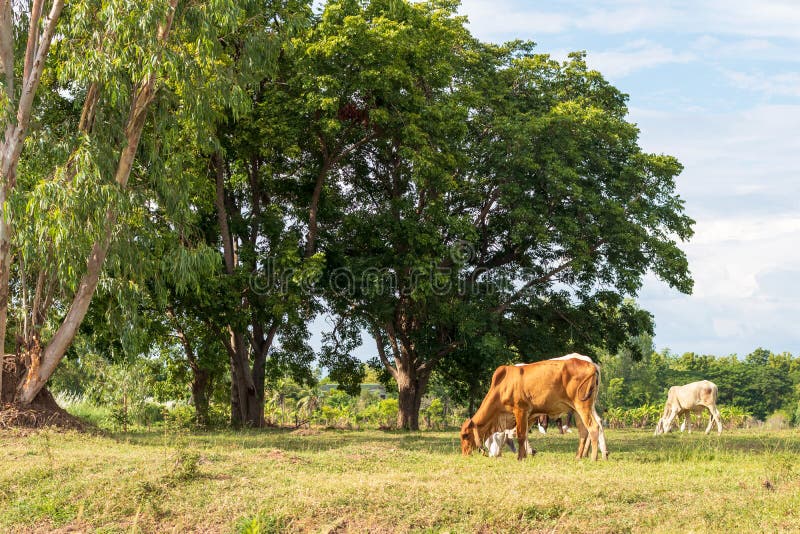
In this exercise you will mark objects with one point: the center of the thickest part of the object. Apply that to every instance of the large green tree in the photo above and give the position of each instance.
(504, 194)
(21, 67)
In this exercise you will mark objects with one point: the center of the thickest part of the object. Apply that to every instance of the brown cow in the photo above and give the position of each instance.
(549, 387)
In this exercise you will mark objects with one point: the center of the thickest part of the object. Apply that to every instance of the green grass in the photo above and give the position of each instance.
(337, 481)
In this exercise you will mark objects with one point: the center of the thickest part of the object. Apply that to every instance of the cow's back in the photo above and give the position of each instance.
(558, 377)
(689, 395)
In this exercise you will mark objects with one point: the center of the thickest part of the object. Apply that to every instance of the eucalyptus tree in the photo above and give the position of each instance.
(503, 195)
(16, 101)
(88, 180)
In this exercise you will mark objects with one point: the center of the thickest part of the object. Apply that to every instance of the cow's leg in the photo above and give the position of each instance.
(528, 448)
(542, 422)
(521, 415)
(511, 446)
(673, 413)
(601, 435)
(560, 424)
(710, 420)
(660, 428)
(586, 413)
(714, 417)
(582, 435)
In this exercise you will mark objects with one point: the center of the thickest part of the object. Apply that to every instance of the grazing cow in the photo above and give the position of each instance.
(549, 387)
(690, 398)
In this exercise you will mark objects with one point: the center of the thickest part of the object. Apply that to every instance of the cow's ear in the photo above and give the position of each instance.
(477, 436)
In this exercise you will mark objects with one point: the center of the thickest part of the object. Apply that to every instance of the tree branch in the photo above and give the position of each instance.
(544, 278)
(33, 37)
(382, 352)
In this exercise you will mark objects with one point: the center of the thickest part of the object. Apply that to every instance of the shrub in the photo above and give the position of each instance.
(434, 414)
(641, 417)
(382, 414)
(735, 417)
(262, 523)
(777, 421)
(181, 416)
(649, 414)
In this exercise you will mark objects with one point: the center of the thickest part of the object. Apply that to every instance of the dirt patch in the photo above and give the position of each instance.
(306, 432)
(42, 412)
(277, 455)
(12, 416)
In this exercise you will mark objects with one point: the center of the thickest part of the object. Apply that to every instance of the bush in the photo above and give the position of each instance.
(80, 406)
(649, 414)
(777, 421)
(434, 414)
(641, 417)
(735, 417)
(382, 414)
(181, 416)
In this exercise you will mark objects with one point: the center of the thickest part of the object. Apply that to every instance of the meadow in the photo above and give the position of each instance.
(312, 480)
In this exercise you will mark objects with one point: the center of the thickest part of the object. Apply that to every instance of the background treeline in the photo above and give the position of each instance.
(761, 387)
(758, 387)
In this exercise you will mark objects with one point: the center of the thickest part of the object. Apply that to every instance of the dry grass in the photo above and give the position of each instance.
(332, 481)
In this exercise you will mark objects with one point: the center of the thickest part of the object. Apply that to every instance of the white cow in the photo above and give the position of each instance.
(494, 443)
(690, 398)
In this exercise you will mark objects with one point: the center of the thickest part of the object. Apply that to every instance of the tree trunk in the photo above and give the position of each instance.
(247, 409)
(201, 380)
(236, 410)
(410, 388)
(247, 400)
(412, 378)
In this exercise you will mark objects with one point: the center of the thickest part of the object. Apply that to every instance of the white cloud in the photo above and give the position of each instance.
(502, 20)
(626, 16)
(766, 18)
(783, 84)
(729, 255)
(742, 184)
(741, 157)
(739, 49)
(636, 55)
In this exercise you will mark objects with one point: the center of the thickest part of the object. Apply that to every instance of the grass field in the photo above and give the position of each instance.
(336, 481)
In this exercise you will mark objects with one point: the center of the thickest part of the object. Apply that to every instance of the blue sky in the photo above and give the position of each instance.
(716, 84)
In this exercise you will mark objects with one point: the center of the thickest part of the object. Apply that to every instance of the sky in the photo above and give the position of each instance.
(715, 83)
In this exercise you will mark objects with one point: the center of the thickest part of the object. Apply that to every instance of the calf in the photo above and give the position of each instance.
(690, 398)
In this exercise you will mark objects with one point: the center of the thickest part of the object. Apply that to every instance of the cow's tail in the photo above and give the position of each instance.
(594, 380)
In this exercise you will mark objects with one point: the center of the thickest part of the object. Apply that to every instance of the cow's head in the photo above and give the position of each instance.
(470, 438)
